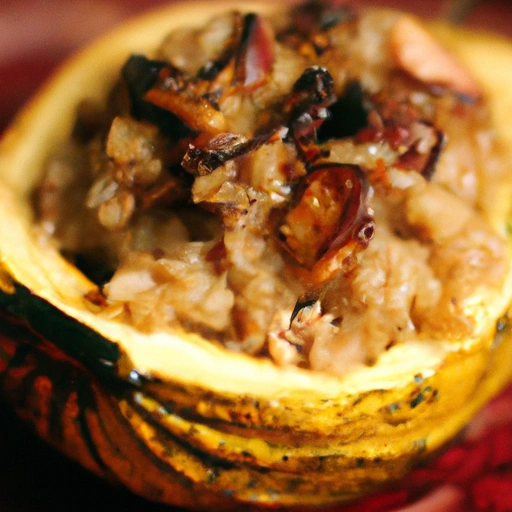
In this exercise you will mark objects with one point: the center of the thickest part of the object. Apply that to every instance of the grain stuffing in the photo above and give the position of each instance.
(315, 188)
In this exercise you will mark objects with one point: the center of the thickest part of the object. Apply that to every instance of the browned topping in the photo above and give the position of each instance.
(312, 192)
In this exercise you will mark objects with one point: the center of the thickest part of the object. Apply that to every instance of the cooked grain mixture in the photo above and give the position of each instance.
(313, 190)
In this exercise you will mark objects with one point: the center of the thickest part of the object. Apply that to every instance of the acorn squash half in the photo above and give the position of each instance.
(179, 420)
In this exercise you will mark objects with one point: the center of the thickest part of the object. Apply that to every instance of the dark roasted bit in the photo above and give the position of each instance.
(311, 94)
(140, 74)
(307, 107)
(226, 146)
(347, 115)
(203, 160)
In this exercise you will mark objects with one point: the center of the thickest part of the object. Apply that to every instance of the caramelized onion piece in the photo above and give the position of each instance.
(255, 55)
(196, 112)
(330, 214)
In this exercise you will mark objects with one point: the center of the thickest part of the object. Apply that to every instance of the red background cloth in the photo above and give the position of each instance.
(474, 474)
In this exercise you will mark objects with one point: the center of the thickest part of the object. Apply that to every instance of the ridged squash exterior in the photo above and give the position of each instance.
(179, 420)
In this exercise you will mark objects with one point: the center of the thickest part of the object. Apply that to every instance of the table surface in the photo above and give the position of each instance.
(35, 35)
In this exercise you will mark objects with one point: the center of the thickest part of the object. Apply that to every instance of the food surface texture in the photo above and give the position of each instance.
(314, 188)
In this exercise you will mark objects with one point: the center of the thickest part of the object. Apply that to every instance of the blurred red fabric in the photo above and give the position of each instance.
(475, 474)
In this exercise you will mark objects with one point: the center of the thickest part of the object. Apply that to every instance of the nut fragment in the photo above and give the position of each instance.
(116, 212)
(420, 55)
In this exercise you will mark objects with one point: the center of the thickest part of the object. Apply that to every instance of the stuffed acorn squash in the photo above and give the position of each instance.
(262, 261)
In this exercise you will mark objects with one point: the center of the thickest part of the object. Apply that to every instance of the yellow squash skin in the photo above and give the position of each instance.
(181, 421)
